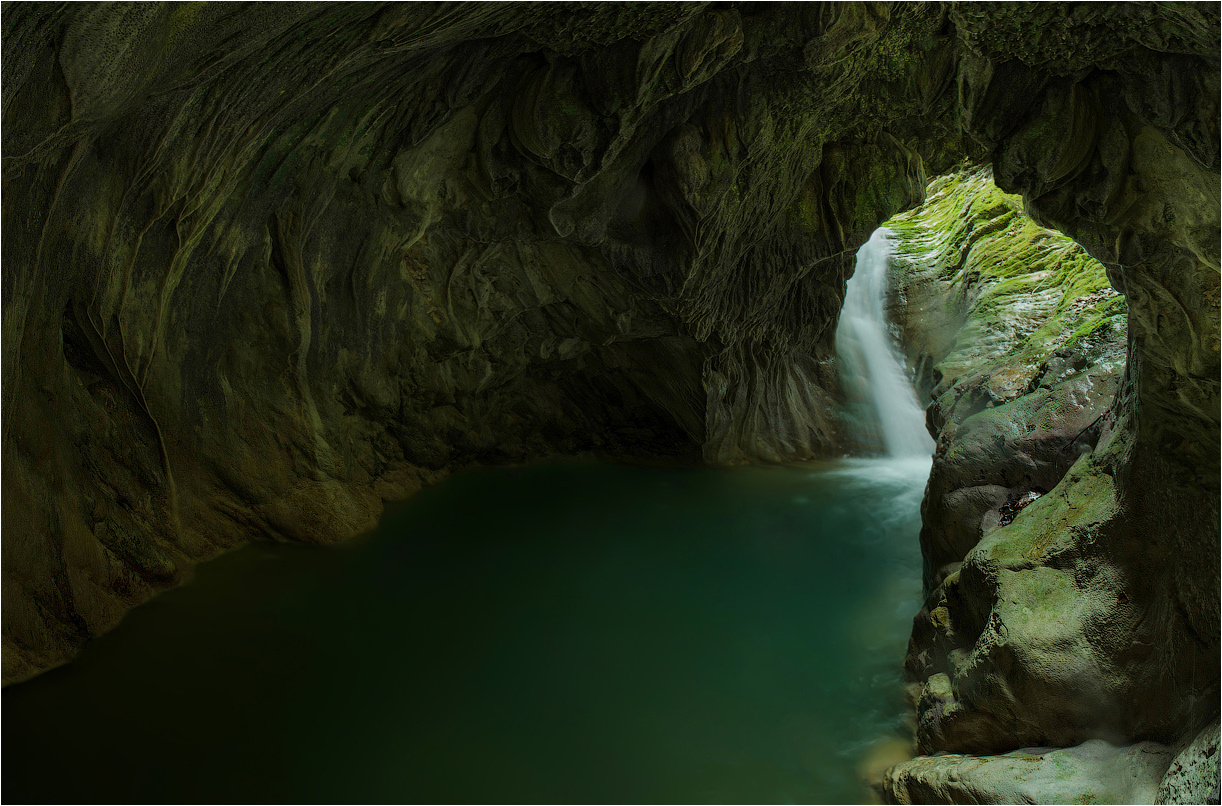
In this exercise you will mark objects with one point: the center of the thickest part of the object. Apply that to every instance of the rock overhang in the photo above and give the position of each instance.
(268, 266)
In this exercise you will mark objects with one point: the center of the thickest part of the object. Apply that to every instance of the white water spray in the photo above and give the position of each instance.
(883, 405)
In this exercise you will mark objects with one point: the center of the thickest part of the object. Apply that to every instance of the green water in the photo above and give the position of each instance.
(567, 633)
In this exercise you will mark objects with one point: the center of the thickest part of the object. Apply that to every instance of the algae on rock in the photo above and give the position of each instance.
(268, 266)
(1037, 631)
(1018, 341)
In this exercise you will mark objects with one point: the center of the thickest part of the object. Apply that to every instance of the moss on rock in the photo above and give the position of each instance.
(267, 266)
(1039, 628)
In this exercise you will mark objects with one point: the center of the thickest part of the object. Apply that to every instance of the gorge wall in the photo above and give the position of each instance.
(266, 267)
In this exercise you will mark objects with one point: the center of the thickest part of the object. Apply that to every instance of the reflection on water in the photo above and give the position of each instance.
(578, 633)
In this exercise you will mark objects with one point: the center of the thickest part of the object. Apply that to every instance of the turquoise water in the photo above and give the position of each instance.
(561, 633)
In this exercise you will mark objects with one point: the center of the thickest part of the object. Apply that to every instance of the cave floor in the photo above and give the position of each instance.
(570, 632)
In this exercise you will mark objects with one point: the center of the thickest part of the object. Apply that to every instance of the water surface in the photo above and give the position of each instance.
(568, 633)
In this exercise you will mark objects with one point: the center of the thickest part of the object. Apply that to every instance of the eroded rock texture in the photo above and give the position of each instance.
(1015, 337)
(1013, 333)
(1081, 604)
(267, 266)
(1093, 772)
(1193, 775)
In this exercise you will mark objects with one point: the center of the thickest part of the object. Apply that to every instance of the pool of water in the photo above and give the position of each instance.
(557, 633)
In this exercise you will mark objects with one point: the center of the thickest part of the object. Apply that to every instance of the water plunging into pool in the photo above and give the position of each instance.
(881, 396)
(557, 633)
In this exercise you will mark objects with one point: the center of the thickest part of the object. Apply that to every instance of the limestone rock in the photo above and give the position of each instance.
(1092, 772)
(1194, 772)
(267, 266)
(1015, 336)
(1042, 626)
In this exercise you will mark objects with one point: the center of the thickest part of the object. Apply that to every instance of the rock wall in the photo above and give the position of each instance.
(1082, 618)
(1017, 340)
(265, 267)
(272, 266)
(1014, 335)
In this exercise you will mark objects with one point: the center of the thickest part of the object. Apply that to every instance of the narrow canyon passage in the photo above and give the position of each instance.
(569, 632)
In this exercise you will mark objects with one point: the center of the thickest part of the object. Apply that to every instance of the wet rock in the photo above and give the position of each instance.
(1049, 620)
(266, 267)
(1026, 341)
(1092, 772)
(1193, 774)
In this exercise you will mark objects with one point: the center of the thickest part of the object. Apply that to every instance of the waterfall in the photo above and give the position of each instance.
(883, 411)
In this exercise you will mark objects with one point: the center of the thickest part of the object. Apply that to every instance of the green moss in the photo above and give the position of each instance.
(1021, 291)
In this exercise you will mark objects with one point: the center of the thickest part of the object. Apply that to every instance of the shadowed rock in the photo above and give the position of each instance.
(268, 266)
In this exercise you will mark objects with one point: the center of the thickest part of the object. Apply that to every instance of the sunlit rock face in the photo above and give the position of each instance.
(1017, 342)
(266, 267)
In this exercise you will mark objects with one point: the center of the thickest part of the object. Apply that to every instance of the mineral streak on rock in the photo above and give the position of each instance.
(266, 266)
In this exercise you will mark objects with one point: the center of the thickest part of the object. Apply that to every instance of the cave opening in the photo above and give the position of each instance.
(654, 632)
(270, 267)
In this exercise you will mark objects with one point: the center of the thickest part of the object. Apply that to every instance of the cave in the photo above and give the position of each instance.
(270, 269)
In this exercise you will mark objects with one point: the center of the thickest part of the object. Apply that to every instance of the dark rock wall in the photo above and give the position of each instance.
(267, 266)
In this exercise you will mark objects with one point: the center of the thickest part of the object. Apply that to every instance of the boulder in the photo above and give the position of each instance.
(1092, 772)
(1193, 774)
